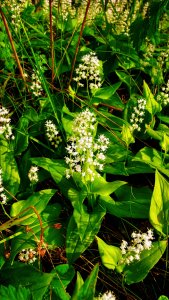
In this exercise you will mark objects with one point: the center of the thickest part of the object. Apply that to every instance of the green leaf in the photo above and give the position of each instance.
(78, 285)
(107, 92)
(155, 134)
(21, 137)
(133, 202)
(21, 275)
(77, 196)
(126, 209)
(32, 115)
(14, 293)
(111, 121)
(138, 31)
(52, 236)
(2, 256)
(11, 179)
(152, 106)
(81, 231)
(138, 167)
(39, 200)
(153, 158)
(57, 169)
(165, 142)
(124, 77)
(68, 118)
(101, 187)
(132, 167)
(110, 255)
(159, 208)
(138, 270)
(64, 275)
(108, 96)
(127, 136)
(87, 290)
(162, 297)
(165, 119)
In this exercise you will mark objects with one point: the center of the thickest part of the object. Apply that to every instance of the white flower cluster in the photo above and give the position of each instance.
(52, 133)
(85, 154)
(16, 8)
(137, 117)
(28, 256)
(36, 86)
(5, 127)
(3, 197)
(163, 57)
(163, 96)
(107, 296)
(33, 174)
(140, 242)
(90, 71)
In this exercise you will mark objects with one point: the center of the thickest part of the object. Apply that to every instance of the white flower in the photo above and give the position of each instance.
(85, 154)
(16, 9)
(139, 111)
(36, 86)
(107, 296)
(123, 246)
(139, 242)
(52, 133)
(5, 127)
(28, 256)
(3, 197)
(163, 97)
(33, 174)
(89, 71)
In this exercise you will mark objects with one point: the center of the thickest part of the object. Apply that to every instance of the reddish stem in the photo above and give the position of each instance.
(12, 44)
(79, 39)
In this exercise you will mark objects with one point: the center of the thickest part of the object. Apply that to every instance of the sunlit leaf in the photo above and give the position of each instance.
(81, 231)
(78, 285)
(159, 208)
(153, 158)
(39, 200)
(110, 255)
(151, 104)
(138, 270)
(87, 290)
(11, 178)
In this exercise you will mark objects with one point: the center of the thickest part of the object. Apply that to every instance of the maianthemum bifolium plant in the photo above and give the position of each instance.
(84, 150)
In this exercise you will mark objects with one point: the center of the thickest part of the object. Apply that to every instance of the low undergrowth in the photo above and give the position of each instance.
(84, 143)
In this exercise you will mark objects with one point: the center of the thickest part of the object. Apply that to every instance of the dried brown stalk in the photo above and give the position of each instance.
(12, 44)
(79, 39)
(51, 39)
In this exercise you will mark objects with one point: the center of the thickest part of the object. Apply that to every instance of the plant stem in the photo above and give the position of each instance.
(78, 42)
(51, 39)
(12, 44)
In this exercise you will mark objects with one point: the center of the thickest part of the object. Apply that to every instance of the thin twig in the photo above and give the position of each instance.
(79, 39)
(12, 44)
(51, 38)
